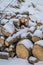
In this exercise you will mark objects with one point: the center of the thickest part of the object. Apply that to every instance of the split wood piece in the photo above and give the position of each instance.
(22, 20)
(37, 35)
(33, 60)
(2, 40)
(25, 20)
(11, 48)
(5, 33)
(4, 55)
(35, 38)
(9, 42)
(8, 29)
(15, 37)
(38, 50)
(23, 48)
(32, 29)
(38, 25)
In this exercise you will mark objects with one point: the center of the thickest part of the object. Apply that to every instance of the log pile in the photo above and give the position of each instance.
(18, 37)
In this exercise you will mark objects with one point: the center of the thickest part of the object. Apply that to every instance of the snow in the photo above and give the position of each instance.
(38, 33)
(4, 4)
(14, 61)
(41, 28)
(31, 23)
(14, 20)
(24, 34)
(0, 45)
(4, 21)
(35, 14)
(2, 37)
(32, 29)
(32, 58)
(39, 63)
(17, 34)
(27, 43)
(11, 46)
(40, 42)
(4, 53)
(9, 27)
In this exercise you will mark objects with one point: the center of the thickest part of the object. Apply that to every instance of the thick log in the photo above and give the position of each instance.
(23, 49)
(38, 52)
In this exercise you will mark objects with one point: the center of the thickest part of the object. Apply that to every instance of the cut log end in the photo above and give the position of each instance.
(22, 51)
(34, 39)
(38, 52)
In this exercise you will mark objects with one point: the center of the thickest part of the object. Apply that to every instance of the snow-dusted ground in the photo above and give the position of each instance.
(36, 15)
(14, 61)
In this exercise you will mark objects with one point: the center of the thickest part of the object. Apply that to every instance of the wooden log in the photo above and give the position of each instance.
(11, 48)
(2, 40)
(38, 25)
(35, 38)
(26, 20)
(9, 42)
(5, 33)
(38, 52)
(4, 55)
(22, 20)
(8, 29)
(15, 37)
(22, 50)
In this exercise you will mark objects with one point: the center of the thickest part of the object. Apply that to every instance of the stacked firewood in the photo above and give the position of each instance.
(19, 35)
(9, 34)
